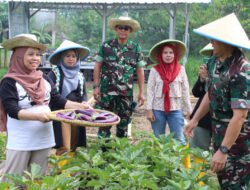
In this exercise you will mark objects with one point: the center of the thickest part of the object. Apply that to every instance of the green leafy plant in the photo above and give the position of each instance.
(150, 163)
(2, 145)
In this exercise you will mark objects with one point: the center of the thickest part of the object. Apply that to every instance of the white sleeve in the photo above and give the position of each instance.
(151, 89)
(185, 92)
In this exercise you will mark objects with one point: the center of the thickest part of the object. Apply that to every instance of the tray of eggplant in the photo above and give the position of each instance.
(86, 118)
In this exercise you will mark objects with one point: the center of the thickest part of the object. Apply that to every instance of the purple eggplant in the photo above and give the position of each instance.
(69, 113)
(107, 120)
(102, 115)
(88, 112)
(84, 117)
(66, 115)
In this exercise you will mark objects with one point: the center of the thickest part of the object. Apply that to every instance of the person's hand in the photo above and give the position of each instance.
(218, 161)
(97, 94)
(188, 129)
(86, 105)
(150, 116)
(203, 72)
(43, 116)
(187, 116)
(92, 101)
(141, 100)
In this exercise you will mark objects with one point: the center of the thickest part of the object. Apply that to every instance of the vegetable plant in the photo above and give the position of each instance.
(150, 164)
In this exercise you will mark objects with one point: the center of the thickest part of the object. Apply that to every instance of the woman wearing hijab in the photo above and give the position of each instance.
(25, 96)
(70, 83)
(168, 89)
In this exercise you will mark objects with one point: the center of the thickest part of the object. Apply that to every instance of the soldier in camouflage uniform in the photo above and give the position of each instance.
(228, 99)
(116, 63)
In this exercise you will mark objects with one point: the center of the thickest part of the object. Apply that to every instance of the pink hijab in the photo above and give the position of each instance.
(31, 81)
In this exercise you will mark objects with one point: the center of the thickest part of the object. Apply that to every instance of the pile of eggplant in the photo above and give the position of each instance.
(89, 115)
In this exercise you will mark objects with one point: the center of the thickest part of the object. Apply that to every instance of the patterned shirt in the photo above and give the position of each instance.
(228, 89)
(179, 92)
(119, 63)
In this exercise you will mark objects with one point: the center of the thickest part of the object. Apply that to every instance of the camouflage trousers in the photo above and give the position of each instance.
(236, 175)
(122, 106)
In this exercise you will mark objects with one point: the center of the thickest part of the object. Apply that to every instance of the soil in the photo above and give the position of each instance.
(139, 121)
(139, 124)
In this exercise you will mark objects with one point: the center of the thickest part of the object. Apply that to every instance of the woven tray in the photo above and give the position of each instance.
(82, 122)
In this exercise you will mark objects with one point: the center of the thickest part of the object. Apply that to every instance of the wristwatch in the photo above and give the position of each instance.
(224, 149)
(96, 86)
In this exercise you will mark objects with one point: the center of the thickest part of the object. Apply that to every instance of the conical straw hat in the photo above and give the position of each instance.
(207, 50)
(55, 57)
(227, 30)
(155, 50)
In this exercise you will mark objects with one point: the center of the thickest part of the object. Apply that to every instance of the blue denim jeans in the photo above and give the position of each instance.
(175, 121)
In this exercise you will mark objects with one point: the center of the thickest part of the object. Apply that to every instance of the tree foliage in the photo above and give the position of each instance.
(85, 26)
(42, 35)
(3, 21)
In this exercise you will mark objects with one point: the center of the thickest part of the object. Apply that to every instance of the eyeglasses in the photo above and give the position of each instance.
(126, 28)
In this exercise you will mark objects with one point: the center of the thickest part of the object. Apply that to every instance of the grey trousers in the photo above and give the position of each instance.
(19, 161)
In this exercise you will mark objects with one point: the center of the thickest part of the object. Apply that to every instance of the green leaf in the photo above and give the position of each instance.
(175, 184)
(95, 183)
(147, 183)
(35, 170)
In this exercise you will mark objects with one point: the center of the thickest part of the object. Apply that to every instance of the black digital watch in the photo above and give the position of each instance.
(224, 149)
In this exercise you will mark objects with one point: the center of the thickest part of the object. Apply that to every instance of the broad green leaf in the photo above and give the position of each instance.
(147, 183)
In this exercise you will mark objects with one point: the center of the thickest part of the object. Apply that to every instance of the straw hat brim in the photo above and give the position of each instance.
(55, 57)
(154, 51)
(207, 50)
(23, 41)
(227, 30)
(132, 23)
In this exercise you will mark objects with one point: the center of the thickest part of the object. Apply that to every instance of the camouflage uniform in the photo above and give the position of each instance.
(229, 88)
(119, 63)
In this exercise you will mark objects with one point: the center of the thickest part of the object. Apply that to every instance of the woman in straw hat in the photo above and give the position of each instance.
(116, 63)
(168, 89)
(70, 83)
(228, 100)
(25, 95)
(203, 132)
